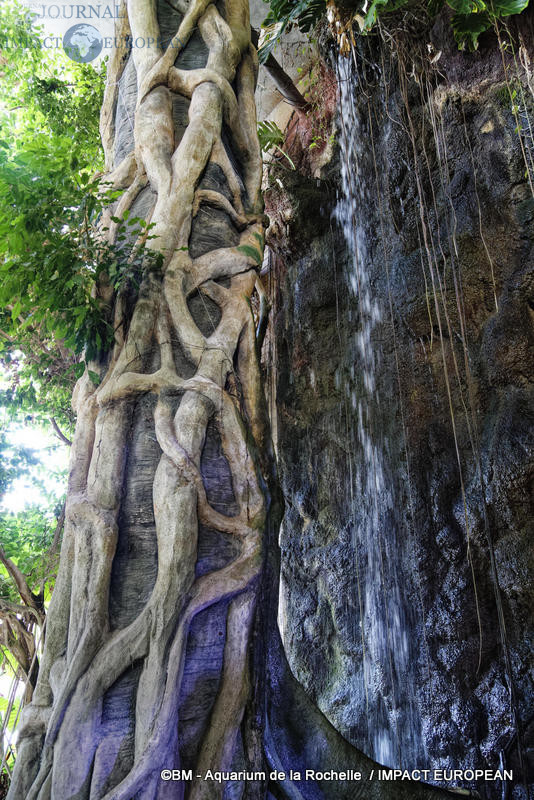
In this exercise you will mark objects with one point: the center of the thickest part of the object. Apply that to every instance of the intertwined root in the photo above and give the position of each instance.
(61, 734)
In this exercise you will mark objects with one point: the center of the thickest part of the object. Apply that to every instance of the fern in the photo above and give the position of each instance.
(271, 137)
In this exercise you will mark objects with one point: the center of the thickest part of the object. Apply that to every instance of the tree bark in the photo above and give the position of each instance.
(171, 519)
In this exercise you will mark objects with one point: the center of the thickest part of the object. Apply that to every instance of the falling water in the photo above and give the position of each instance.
(379, 535)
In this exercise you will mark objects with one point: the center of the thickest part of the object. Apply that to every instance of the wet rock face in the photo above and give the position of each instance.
(405, 432)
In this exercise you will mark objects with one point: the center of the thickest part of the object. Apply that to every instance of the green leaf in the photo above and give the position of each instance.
(468, 27)
(504, 8)
(466, 7)
(269, 135)
(379, 7)
(4, 704)
(16, 310)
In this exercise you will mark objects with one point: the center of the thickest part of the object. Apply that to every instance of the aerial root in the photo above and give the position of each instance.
(207, 590)
(237, 525)
(95, 543)
(220, 157)
(218, 200)
(218, 746)
(87, 657)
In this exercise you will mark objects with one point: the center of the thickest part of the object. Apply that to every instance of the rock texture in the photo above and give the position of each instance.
(402, 394)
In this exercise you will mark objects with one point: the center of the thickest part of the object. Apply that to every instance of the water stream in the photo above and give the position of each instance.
(382, 584)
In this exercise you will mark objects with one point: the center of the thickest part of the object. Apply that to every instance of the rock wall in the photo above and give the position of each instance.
(401, 391)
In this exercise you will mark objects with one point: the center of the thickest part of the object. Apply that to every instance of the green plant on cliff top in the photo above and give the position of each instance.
(473, 17)
(470, 18)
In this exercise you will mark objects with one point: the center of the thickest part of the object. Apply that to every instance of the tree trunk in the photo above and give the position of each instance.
(171, 519)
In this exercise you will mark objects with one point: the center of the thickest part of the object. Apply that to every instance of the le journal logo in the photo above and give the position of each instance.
(77, 12)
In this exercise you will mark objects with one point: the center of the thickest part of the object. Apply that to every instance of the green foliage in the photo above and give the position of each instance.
(12, 708)
(470, 18)
(45, 90)
(283, 14)
(50, 258)
(50, 262)
(14, 712)
(378, 7)
(269, 135)
(49, 266)
(49, 147)
(468, 27)
(272, 138)
(473, 17)
(26, 538)
(29, 539)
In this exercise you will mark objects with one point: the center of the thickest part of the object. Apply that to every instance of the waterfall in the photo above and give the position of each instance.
(383, 585)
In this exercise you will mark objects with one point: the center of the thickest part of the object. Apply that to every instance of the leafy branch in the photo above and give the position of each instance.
(470, 19)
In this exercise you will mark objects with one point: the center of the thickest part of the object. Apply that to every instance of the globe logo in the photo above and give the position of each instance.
(82, 43)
